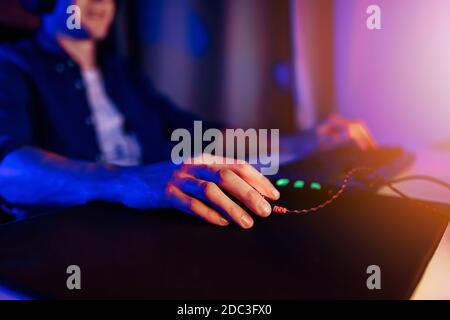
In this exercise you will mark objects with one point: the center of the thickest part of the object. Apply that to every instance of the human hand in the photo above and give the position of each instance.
(337, 131)
(202, 190)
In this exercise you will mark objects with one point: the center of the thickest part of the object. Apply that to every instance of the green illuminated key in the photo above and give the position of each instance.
(299, 184)
(282, 182)
(316, 186)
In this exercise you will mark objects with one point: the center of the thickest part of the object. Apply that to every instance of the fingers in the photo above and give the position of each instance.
(354, 134)
(372, 143)
(338, 130)
(258, 181)
(195, 207)
(361, 136)
(245, 171)
(212, 195)
(242, 191)
(209, 183)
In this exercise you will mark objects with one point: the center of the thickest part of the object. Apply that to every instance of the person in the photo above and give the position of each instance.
(78, 124)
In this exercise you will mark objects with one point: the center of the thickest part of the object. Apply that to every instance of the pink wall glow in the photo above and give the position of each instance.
(396, 79)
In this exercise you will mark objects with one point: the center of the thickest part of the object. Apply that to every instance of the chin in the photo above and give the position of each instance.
(97, 32)
(99, 35)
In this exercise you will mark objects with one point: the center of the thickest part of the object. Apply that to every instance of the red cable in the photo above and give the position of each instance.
(337, 195)
(389, 184)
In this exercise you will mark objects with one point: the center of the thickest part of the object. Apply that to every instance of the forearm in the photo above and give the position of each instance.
(31, 177)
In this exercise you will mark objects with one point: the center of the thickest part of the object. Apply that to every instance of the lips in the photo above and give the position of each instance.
(96, 16)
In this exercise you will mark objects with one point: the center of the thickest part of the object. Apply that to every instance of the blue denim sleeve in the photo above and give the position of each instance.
(15, 102)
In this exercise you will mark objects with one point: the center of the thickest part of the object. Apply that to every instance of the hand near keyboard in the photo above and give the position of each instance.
(338, 131)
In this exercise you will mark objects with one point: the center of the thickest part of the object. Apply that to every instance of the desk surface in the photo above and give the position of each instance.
(95, 238)
(127, 254)
(435, 283)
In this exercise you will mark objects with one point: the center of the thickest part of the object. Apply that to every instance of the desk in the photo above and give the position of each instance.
(435, 283)
(128, 254)
(98, 238)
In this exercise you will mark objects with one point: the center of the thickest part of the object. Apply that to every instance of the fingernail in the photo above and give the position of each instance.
(247, 222)
(266, 207)
(224, 222)
(276, 193)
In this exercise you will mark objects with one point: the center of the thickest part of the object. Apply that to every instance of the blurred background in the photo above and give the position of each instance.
(289, 63)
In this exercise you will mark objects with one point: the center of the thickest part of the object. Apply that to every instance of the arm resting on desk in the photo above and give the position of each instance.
(32, 177)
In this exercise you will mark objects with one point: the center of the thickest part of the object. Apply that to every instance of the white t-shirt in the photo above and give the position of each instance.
(117, 146)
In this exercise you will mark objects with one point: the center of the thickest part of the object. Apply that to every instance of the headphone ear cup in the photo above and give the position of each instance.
(38, 7)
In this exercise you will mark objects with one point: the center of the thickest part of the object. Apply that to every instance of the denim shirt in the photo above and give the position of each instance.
(43, 103)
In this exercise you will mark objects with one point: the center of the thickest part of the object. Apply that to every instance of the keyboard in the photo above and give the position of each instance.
(330, 167)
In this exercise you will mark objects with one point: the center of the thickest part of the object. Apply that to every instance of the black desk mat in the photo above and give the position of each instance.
(125, 254)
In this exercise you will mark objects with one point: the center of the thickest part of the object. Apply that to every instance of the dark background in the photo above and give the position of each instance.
(225, 60)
